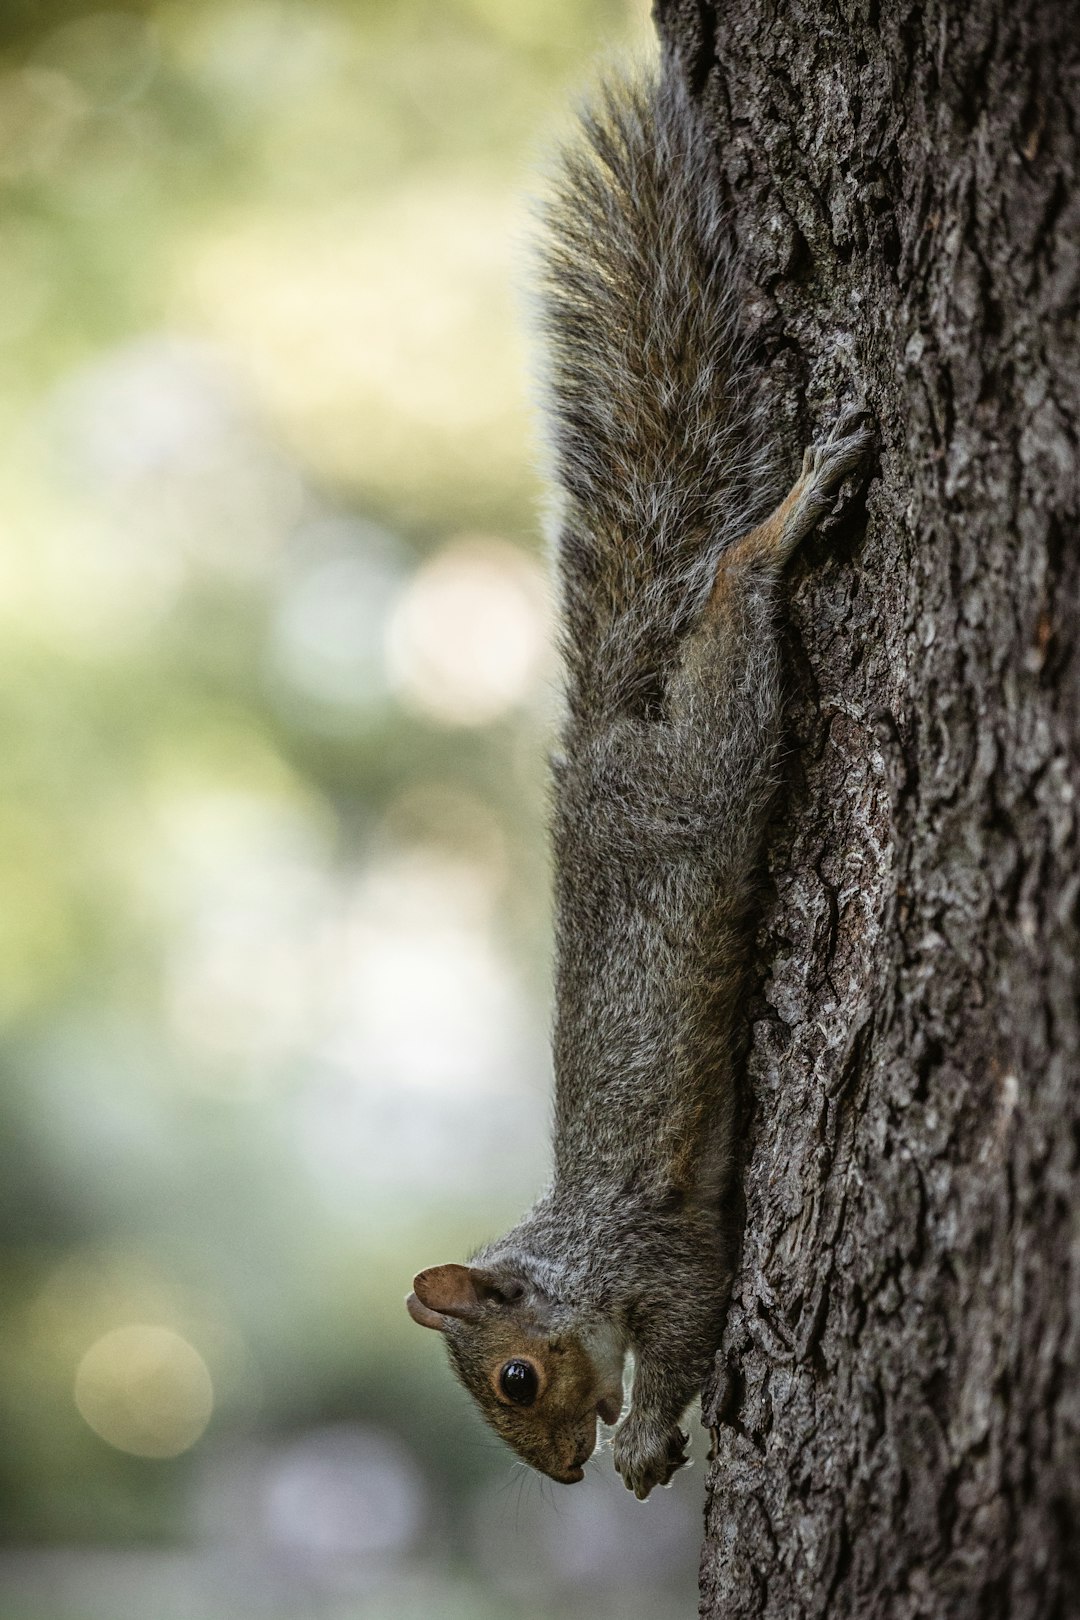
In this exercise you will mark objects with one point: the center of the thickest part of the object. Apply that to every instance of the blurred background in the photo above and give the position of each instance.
(275, 693)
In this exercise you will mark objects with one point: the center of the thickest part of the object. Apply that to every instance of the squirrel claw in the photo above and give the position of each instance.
(850, 418)
(829, 461)
(825, 465)
(647, 1456)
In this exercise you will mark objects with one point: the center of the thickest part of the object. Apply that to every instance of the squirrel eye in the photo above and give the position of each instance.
(519, 1383)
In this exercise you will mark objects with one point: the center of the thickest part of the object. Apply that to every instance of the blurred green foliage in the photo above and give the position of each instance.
(274, 935)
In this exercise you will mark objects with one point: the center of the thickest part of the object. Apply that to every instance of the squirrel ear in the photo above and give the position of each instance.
(421, 1314)
(448, 1291)
(460, 1291)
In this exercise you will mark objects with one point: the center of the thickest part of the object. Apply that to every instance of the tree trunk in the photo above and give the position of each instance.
(896, 1403)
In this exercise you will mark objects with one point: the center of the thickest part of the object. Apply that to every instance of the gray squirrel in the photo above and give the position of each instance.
(663, 780)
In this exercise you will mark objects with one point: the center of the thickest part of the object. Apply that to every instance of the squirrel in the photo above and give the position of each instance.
(663, 782)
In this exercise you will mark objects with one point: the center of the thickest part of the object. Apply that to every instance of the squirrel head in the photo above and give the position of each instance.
(541, 1386)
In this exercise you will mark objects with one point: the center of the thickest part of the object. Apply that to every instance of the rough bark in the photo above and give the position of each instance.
(896, 1402)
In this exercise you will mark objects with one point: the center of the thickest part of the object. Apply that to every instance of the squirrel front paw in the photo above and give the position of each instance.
(647, 1454)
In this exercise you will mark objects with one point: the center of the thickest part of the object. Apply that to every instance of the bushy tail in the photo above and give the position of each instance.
(654, 448)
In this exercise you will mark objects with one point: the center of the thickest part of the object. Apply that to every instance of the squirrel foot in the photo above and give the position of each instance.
(848, 443)
(825, 466)
(647, 1453)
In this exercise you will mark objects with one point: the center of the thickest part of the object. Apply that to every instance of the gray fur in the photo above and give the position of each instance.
(662, 783)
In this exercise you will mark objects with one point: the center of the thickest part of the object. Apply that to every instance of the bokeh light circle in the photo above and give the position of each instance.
(145, 1390)
(467, 639)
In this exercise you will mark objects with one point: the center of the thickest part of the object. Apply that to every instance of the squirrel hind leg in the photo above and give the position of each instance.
(824, 468)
